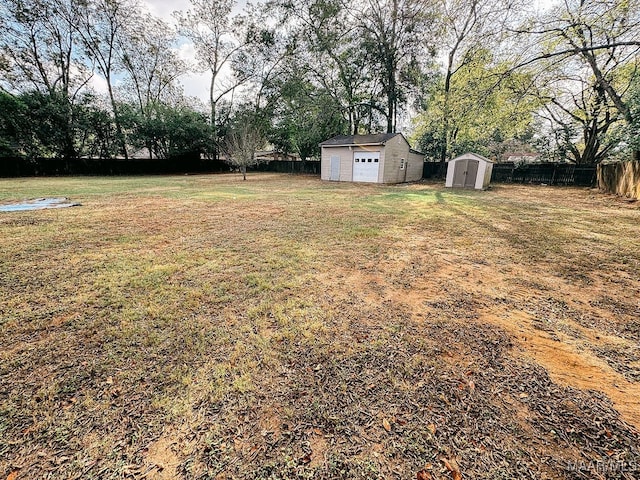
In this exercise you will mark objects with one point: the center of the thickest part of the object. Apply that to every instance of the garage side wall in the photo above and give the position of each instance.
(415, 168)
(346, 162)
(394, 150)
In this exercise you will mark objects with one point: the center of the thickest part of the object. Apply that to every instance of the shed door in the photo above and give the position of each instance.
(472, 173)
(365, 166)
(459, 173)
(335, 168)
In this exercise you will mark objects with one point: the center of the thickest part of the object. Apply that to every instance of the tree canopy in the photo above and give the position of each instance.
(455, 75)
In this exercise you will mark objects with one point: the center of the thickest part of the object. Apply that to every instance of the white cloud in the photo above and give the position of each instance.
(197, 85)
(164, 9)
(187, 52)
(98, 84)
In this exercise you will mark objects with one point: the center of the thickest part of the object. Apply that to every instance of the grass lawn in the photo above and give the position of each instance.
(202, 327)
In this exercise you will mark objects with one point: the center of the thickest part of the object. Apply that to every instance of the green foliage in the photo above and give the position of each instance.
(167, 131)
(12, 125)
(36, 124)
(632, 136)
(484, 111)
(304, 117)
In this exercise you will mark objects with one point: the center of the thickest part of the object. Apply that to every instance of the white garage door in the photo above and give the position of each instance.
(365, 166)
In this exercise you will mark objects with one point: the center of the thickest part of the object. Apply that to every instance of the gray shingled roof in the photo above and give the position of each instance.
(373, 139)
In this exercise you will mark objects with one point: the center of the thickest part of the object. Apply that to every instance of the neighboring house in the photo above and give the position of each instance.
(469, 171)
(272, 155)
(521, 158)
(376, 158)
(140, 153)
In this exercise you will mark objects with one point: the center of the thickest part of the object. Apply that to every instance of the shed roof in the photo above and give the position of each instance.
(473, 156)
(371, 139)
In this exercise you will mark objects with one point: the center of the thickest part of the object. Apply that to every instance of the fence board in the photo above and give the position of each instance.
(621, 178)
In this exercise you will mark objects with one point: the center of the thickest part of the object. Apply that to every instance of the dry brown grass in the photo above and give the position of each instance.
(204, 327)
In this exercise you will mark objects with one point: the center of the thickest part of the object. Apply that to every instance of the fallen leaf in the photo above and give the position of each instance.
(472, 386)
(452, 466)
(432, 428)
(523, 395)
(13, 475)
(423, 475)
(386, 424)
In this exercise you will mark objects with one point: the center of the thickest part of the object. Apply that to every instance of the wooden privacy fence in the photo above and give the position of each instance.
(548, 173)
(436, 170)
(621, 178)
(44, 167)
(289, 166)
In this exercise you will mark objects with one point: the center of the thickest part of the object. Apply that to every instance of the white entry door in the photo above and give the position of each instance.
(366, 166)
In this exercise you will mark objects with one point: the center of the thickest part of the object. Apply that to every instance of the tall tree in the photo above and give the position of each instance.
(218, 36)
(39, 45)
(468, 29)
(326, 49)
(151, 65)
(600, 35)
(101, 24)
(397, 36)
(482, 116)
(304, 116)
(579, 114)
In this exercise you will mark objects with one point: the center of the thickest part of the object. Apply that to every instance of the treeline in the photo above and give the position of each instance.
(101, 78)
(38, 125)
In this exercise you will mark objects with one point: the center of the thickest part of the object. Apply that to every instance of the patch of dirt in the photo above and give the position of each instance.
(568, 350)
(568, 365)
(318, 446)
(161, 459)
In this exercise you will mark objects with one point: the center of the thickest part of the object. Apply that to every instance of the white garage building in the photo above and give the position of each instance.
(376, 158)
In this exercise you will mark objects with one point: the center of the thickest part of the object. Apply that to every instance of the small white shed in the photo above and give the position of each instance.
(469, 171)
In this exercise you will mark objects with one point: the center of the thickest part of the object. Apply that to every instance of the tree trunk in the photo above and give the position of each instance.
(243, 169)
(213, 116)
(116, 118)
(445, 110)
(390, 110)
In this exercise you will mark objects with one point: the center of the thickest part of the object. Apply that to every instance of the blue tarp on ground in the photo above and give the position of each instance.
(38, 204)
